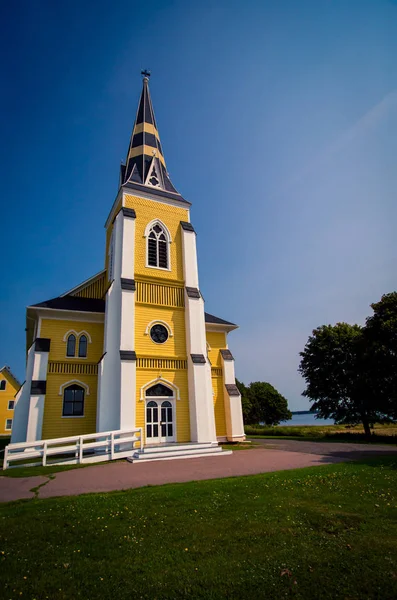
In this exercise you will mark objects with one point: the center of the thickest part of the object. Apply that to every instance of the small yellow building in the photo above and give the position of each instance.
(132, 346)
(9, 386)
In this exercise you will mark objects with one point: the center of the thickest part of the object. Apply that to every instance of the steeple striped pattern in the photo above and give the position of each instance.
(145, 164)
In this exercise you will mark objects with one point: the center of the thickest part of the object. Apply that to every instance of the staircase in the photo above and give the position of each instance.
(174, 451)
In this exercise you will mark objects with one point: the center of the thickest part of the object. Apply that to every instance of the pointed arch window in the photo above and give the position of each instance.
(73, 401)
(71, 345)
(83, 346)
(157, 250)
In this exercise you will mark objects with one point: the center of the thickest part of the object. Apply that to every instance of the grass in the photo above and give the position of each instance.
(326, 532)
(381, 434)
(36, 471)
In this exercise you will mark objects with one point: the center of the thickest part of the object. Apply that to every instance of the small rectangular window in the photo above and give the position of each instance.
(3, 384)
(11, 404)
(8, 424)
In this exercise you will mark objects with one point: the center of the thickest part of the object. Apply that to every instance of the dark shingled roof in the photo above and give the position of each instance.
(73, 303)
(211, 319)
(95, 305)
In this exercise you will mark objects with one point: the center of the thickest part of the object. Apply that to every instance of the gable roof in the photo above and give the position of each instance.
(73, 303)
(6, 371)
(68, 302)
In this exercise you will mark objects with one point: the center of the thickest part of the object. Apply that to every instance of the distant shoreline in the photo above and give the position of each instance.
(303, 412)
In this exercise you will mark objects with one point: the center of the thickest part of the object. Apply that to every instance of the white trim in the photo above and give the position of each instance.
(68, 315)
(83, 332)
(220, 327)
(119, 196)
(151, 169)
(5, 426)
(161, 224)
(160, 400)
(158, 322)
(165, 229)
(71, 382)
(159, 379)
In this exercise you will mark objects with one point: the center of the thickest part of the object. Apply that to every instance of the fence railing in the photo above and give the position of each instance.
(78, 449)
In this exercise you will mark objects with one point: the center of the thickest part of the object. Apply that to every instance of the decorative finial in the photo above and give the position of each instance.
(146, 74)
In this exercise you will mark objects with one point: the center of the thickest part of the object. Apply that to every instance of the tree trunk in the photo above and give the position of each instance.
(367, 428)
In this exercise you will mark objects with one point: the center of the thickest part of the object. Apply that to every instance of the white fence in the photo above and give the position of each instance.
(77, 449)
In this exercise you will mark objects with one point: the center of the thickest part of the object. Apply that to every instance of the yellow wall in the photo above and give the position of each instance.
(219, 406)
(178, 378)
(54, 425)
(171, 216)
(175, 346)
(5, 396)
(217, 341)
(56, 330)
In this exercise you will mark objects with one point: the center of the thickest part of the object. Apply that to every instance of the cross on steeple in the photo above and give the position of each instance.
(145, 73)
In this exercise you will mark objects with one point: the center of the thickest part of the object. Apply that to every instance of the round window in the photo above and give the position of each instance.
(159, 333)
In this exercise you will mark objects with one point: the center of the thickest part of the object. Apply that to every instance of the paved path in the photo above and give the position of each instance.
(347, 451)
(272, 455)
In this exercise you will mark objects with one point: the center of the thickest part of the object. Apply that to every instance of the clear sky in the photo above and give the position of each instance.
(278, 120)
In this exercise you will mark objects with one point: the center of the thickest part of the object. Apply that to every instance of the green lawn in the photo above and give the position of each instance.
(318, 533)
(381, 434)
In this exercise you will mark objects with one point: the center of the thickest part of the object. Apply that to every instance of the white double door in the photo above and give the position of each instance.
(160, 420)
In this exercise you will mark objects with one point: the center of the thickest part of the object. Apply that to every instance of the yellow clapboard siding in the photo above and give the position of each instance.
(219, 406)
(216, 341)
(179, 379)
(54, 425)
(5, 396)
(95, 289)
(163, 295)
(171, 216)
(175, 346)
(56, 330)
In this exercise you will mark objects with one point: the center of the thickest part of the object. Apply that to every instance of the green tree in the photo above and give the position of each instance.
(336, 365)
(267, 405)
(380, 335)
(245, 401)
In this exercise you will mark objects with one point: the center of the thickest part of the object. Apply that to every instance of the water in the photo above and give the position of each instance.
(309, 419)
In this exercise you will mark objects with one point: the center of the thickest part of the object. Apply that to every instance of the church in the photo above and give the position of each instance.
(132, 346)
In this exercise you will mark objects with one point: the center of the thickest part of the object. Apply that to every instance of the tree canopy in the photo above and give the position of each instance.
(351, 371)
(262, 403)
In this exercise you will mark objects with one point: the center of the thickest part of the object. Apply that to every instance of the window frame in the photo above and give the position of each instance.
(3, 387)
(79, 355)
(8, 428)
(149, 228)
(65, 389)
(13, 405)
(71, 335)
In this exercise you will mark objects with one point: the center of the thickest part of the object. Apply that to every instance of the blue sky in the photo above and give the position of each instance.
(278, 121)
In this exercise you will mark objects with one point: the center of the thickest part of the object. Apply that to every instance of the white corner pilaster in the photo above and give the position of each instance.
(233, 409)
(29, 407)
(201, 406)
(22, 403)
(117, 373)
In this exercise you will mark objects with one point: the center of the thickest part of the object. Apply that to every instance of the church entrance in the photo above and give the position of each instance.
(160, 414)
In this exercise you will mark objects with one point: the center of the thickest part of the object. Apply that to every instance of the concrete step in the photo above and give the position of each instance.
(160, 455)
(157, 449)
(177, 456)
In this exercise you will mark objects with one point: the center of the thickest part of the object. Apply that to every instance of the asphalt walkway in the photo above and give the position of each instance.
(272, 455)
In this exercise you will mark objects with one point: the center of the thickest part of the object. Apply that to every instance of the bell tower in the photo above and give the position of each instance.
(154, 333)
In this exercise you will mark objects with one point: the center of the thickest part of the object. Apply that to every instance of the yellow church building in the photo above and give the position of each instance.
(132, 346)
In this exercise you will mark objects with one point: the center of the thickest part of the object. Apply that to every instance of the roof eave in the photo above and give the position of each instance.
(221, 327)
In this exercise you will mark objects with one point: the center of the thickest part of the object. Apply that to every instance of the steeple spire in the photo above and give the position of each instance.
(145, 164)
